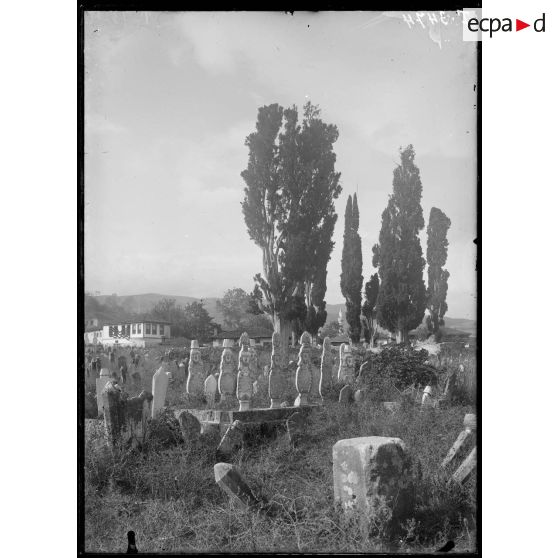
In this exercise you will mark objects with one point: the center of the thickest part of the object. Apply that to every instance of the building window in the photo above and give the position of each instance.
(139, 328)
(148, 329)
(161, 329)
(133, 328)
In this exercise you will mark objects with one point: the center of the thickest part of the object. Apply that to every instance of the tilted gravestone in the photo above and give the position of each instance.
(303, 371)
(277, 373)
(244, 385)
(196, 372)
(227, 373)
(231, 482)
(465, 470)
(463, 441)
(326, 377)
(372, 472)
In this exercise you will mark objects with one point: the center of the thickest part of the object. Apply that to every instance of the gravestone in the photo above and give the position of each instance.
(159, 385)
(230, 480)
(277, 372)
(326, 377)
(244, 387)
(346, 373)
(465, 470)
(345, 395)
(295, 428)
(189, 425)
(463, 441)
(360, 395)
(196, 372)
(371, 472)
(227, 373)
(304, 371)
(114, 412)
(232, 439)
(100, 383)
(210, 389)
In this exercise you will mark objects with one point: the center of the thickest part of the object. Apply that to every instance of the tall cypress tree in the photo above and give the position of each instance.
(436, 256)
(289, 211)
(351, 268)
(398, 254)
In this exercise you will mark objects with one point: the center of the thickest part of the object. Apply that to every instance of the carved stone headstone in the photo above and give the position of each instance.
(244, 386)
(196, 372)
(227, 372)
(210, 389)
(277, 372)
(371, 472)
(346, 373)
(326, 367)
(304, 370)
(159, 385)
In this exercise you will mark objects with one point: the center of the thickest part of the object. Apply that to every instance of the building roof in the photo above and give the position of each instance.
(94, 328)
(235, 334)
(126, 322)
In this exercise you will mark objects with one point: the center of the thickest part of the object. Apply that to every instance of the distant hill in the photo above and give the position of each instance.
(118, 307)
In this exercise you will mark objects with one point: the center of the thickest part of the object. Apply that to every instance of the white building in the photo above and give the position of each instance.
(138, 334)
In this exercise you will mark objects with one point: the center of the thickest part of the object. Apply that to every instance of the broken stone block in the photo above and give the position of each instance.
(230, 480)
(371, 472)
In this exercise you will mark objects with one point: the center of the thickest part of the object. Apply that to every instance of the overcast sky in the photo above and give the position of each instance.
(171, 97)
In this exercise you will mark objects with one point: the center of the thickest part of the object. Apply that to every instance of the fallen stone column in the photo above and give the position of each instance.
(230, 480)
(463, 440)
(465, 470)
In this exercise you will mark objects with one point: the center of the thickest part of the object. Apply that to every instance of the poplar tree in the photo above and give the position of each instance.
(351, 268)
(289, 211)
(436, 256)
(398, 254)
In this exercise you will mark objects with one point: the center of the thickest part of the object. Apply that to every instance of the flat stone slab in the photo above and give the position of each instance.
(257, 416)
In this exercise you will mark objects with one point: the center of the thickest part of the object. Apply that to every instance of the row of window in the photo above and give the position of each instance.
(150, 329)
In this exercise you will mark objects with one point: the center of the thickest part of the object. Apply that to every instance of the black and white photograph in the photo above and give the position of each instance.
(279, 265)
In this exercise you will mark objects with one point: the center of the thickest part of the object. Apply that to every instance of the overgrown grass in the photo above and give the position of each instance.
(170, 498)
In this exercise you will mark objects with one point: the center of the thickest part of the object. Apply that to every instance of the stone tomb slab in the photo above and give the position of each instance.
(210, 418)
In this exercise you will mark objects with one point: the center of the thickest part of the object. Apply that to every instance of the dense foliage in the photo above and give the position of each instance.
(436, 256)
(288, 208)
(398, 254)
(351, 269)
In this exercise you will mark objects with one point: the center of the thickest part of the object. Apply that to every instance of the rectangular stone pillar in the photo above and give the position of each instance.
(371, 471)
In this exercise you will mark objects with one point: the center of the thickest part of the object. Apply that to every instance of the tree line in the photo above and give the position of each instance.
(290, 188)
